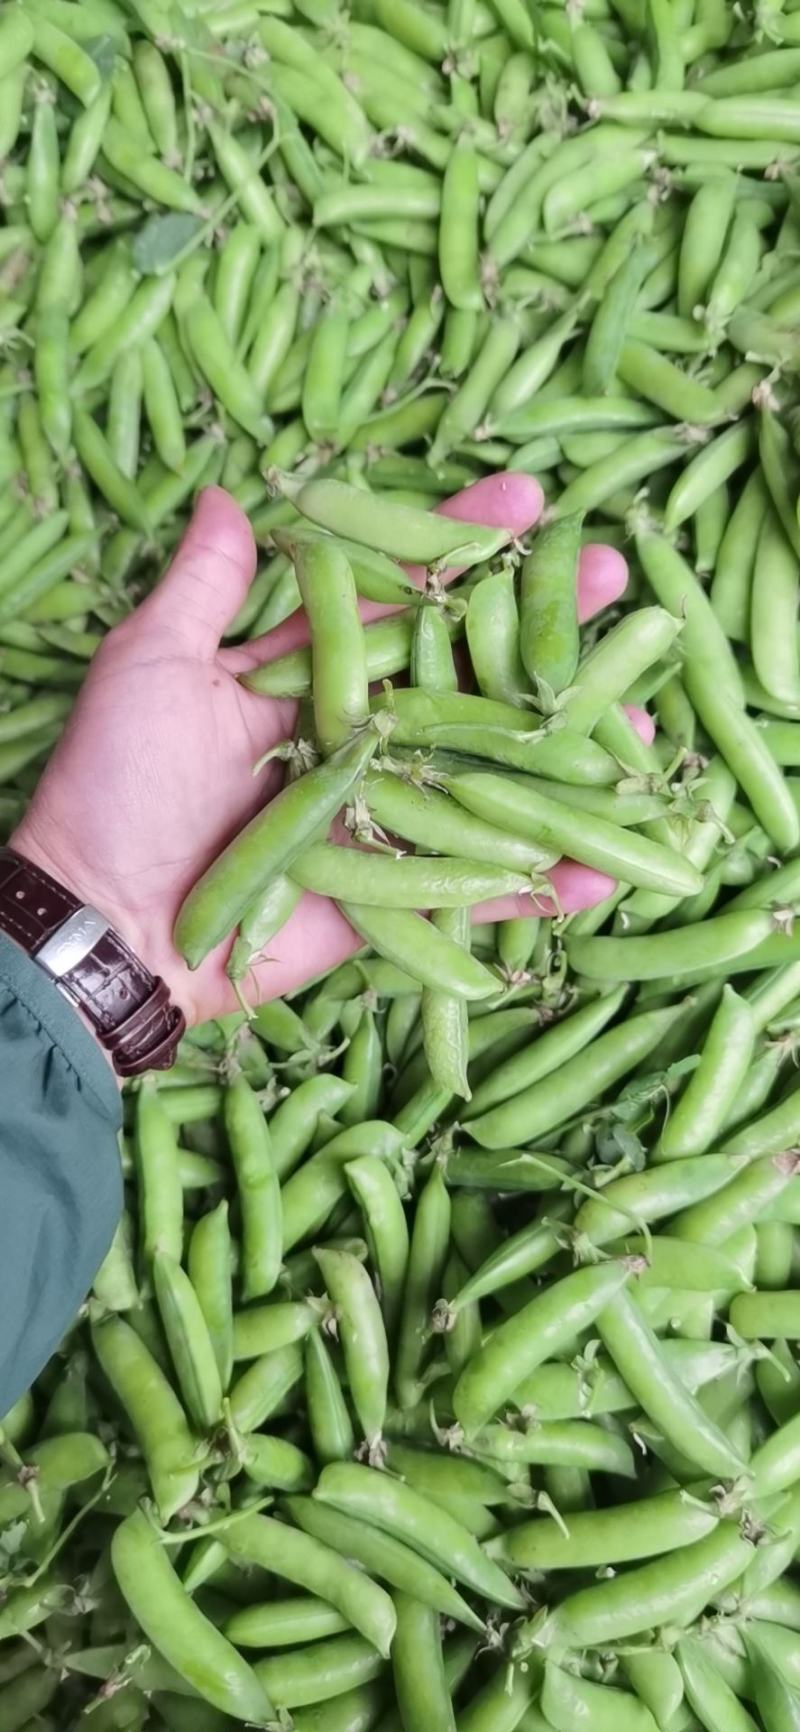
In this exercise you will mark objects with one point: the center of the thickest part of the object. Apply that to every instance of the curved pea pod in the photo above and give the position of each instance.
(534, 1334)
(383, 1556)
(568, 1701)
(412, 881)
(677, 588)
(552, 827)
(261, 1389)
(200, 1654)
(708, 1692)
(402, 531)
(655, 1195)
(395, 1508)
(170, 1450)
(566, 1090)
(16, 40)
(284, 1623)
(306, 1562)
(165, 186)
(639, 1358)
(244, 179)
(136, 318)
(55, 1465)
(549, 639)
(293, 1124)
(432, 820)
(329, 1421)
(264, 1328)
(621, 1534)
(746, 753)
(266, 847)
(363, 1336)
(385, 1229)
(415, 945)
(712, 943)
(189, 1341)
(311, 1193)
(258, 1187)
(668, 1590)
(702, 1110)
(339, 1664)
(553, 1047)
(461, 722)
(568, 1443)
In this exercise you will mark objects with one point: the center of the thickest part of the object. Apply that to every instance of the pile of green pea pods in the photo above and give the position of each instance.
(443, 1374)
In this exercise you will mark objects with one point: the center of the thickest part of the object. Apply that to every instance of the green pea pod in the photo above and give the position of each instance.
(152, 177)
(329, 1422)
(390, 1505)
(258, 1187)
(682, 1584)
(158, 1175)
(95, 454)
(414, 944)
(268, 845)
(363, 1337)
(549, 607)
(178, 1629)
(383, 1556)
(338, 655)
(137, 318)
(189, 1341)
(708, 1693)
(567, 1699)
(492, 627)
(399, 530)
(522, 1342)
(551, 827)
(308, 1563)
(412, 881)
(209, 1265)
(650, 1527)
(636, 1353)
(265, 1328)
(284, 1623)
(585, 1077)
(713, 942)
(418, 1669)
(154, 1411)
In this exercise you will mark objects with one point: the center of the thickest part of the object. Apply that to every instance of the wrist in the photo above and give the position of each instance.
(60, 862)
(89, 953)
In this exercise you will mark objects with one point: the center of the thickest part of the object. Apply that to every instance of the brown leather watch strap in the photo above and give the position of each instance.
(129, 1007)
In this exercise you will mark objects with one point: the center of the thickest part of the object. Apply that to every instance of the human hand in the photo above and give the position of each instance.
(154, 773)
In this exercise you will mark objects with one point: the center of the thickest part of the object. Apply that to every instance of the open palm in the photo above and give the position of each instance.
(154, 773)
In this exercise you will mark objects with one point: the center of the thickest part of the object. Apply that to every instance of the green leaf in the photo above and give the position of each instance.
(161, 240)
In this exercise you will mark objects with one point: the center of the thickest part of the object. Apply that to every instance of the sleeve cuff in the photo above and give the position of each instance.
(40, 998)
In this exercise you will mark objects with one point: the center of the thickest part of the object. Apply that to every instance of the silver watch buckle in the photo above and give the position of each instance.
(73, 941)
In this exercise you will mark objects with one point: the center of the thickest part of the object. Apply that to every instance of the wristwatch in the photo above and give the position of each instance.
(129, 1008)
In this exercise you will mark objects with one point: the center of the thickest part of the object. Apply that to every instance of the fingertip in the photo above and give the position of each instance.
(505, 501)
(642, 722)
(602, 578)
(218, 521)
(576, 887)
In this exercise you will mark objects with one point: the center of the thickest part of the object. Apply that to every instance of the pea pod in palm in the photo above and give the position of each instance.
(268, 845)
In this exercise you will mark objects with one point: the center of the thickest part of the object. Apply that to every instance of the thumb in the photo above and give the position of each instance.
(208, 579)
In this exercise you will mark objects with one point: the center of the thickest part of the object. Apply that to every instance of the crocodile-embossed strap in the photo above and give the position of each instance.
(130, 1008)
